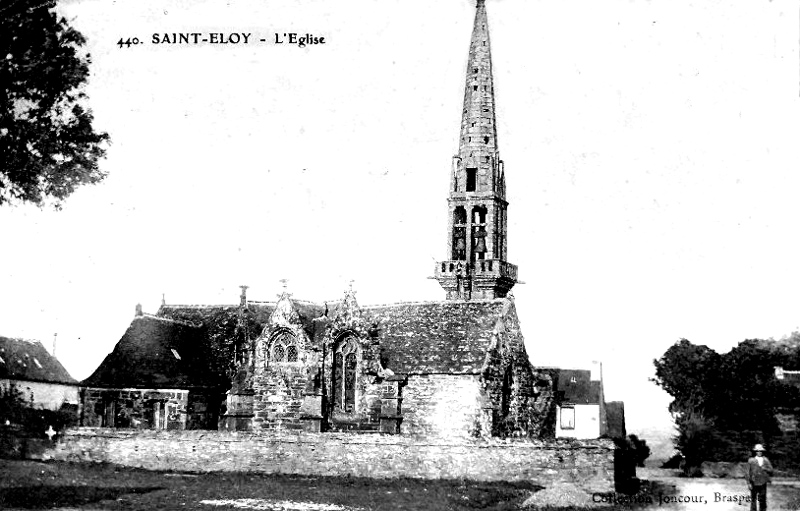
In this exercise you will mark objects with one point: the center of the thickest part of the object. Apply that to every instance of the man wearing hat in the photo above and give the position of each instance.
(758, 474)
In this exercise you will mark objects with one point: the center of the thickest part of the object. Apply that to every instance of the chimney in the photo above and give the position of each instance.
(55, 337)
(596, 371)
(138, 309)
(243, 296)
(163, 300)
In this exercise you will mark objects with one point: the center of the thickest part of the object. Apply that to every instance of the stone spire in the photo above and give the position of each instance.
(476, 230)
(478, 128)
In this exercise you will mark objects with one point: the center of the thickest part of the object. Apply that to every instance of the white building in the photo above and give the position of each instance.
(580, 404)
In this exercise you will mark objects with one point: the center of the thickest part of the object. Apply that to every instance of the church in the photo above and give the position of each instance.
(452, 368)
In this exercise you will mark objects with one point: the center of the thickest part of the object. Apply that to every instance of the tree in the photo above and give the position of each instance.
(689, 374)
(48, 147)
(723, 404)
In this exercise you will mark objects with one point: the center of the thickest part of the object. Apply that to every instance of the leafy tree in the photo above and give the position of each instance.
(48, 146)
(722, 404)
(688, 373)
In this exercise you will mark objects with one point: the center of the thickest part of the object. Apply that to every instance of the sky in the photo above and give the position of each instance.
(650, 147)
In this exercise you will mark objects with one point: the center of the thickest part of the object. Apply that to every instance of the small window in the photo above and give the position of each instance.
(475, 70)
(472, 179)
(474, 87)
(573, 380)
(278, 353)
(485, 140)
(291, 353)
(567, 417)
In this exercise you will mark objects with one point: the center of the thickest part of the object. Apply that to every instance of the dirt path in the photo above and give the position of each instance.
(679, 494)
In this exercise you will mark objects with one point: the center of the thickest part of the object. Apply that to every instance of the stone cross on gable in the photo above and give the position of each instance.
(285, 292)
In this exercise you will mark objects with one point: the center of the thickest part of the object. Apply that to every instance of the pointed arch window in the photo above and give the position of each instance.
(479, 232)
(459, 233)
(284, 347)
(345, 365)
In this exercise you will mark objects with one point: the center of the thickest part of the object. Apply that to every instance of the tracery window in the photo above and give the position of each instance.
(345, 363)
(284, 348)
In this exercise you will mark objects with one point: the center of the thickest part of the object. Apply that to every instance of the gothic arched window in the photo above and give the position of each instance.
(345, 363)
(459, 233)
(284, 347)
(479, 232)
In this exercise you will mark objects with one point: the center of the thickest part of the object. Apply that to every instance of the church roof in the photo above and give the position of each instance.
(448, 337)
(224, 317)
(157, 353)
(436, 337)
(29, 360)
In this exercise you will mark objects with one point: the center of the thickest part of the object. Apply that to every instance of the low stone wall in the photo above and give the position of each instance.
(589, 464)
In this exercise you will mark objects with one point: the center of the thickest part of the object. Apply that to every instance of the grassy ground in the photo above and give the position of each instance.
(34, 485)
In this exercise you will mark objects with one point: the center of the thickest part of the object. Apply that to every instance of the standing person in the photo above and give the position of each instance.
(759, 474)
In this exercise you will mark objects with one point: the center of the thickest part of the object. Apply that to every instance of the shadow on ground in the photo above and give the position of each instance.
(46, 497)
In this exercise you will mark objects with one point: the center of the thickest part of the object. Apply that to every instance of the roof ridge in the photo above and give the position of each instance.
(161, 318)
(197, 305)
(426, 302)
(22, 339)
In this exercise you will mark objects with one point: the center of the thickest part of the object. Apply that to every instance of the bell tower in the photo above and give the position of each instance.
(476, 267)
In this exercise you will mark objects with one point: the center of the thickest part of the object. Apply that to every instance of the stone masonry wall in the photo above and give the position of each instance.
(589, 464)
(135, 408)
(441, 405)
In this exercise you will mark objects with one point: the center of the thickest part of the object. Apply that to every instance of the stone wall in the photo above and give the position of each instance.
(590, 464)
(135, 408)
(442, 405)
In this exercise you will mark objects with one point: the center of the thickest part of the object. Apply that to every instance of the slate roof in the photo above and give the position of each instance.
(575, 386)
(451, 337)
(30, 361)
(448, 337)
(222, 316)
(156, 353)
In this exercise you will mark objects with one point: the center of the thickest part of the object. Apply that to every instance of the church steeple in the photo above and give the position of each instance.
(476, 231)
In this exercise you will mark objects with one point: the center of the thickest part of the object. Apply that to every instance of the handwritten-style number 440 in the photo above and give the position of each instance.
(131, 41)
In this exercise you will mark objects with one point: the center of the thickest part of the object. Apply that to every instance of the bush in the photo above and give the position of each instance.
(640, 448)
